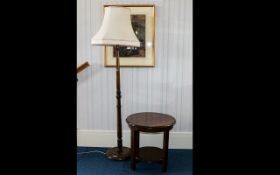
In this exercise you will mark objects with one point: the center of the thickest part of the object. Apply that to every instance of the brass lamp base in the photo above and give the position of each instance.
(115, 154)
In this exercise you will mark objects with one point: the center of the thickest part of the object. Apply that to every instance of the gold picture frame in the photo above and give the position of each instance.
(143, 22)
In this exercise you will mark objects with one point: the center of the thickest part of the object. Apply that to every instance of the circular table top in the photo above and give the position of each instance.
(150, 120)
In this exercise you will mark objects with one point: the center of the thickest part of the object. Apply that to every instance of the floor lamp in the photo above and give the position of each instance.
(116, 30)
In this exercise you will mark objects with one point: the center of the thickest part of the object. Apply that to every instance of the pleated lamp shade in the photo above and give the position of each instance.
(116, 29)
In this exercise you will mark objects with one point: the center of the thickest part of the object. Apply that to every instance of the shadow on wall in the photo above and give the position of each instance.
(84, 75)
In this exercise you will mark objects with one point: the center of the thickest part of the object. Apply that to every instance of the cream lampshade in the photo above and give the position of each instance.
(116, 29)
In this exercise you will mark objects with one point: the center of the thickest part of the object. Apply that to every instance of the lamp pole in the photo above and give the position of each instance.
(120, 152)
(118, 96)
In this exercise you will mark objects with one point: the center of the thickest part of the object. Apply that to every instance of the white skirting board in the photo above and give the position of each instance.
(108, 138)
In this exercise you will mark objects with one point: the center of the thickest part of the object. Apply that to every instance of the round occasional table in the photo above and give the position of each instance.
(149, 122)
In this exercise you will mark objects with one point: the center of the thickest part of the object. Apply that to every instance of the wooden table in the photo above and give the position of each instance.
(149, 122)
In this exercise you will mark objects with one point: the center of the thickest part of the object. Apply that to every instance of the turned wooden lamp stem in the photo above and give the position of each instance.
(118, 96)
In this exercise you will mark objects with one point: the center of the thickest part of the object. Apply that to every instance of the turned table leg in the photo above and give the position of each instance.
(165, 150)
(134, 148)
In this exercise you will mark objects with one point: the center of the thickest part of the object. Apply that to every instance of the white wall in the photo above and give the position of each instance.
(166, 88)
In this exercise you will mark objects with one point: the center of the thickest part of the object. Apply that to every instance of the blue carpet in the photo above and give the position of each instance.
(96, 163)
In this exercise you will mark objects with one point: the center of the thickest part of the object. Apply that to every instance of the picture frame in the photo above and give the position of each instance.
(143, 23)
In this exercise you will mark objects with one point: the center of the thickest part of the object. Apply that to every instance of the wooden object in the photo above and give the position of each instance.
(120, 152)
(149, 122)
(82, 67)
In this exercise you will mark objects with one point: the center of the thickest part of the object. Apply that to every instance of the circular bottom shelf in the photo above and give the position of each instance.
(150, 154)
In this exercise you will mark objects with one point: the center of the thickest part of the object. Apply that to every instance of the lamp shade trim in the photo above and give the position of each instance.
(115, 42)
